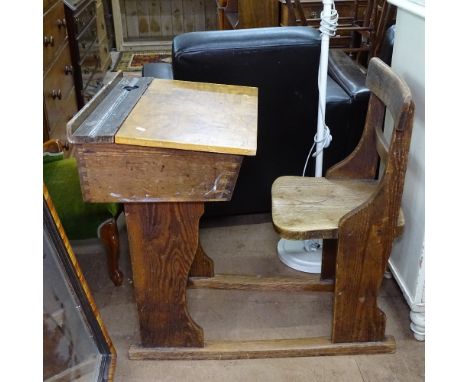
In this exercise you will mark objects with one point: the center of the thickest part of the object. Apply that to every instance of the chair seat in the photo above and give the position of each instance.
(310, 208)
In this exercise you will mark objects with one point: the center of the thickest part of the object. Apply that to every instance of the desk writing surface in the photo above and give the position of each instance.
(194, 116)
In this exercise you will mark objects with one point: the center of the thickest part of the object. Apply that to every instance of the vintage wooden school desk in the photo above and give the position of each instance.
(163, 148)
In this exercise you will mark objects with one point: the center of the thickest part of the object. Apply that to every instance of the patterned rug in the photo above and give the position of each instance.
(133, 61)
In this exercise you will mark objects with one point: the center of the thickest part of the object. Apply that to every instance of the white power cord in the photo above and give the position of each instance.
(328, 26)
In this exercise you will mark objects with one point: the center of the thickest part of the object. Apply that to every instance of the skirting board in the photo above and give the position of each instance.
(414, 305)
(280, 348)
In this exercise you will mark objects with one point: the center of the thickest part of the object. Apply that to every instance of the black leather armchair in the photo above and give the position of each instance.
(283, 63)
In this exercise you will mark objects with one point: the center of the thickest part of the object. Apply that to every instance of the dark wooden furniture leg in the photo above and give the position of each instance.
(202, 265)
(109, 235)
(328, 259)
(163, 240)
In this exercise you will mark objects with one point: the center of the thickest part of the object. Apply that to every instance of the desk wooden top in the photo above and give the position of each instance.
(194, 116)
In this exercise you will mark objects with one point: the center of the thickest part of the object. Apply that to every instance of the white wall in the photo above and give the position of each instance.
(407, 259)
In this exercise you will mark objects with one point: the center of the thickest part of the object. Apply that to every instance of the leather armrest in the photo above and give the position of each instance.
(348, 74)
(158, 70)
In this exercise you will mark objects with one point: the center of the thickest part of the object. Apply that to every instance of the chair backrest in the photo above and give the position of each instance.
(388, 91)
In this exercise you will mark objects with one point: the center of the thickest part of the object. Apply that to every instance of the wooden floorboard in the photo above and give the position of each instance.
(279, 348)
(245, 282)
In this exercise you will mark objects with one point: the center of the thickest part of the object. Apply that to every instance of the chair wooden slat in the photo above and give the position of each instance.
(381, 145)
(389, 88)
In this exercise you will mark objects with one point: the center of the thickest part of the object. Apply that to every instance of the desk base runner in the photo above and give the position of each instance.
(280, 348)
(263, 283)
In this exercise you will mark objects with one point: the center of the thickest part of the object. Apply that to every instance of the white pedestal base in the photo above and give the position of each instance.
(418, 325)
(298, 255)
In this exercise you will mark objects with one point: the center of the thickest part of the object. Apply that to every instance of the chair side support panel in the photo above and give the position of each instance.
(366, 235)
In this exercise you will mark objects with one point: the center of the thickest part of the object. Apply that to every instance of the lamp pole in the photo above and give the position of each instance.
(306, 255)
(322, 85)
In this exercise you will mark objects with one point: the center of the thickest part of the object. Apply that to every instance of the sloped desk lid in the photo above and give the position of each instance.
(194, 116)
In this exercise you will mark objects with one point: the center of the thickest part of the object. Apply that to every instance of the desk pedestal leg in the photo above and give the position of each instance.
(163, 240)
(202, 265)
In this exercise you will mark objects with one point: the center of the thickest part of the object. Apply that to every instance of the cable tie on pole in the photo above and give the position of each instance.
(327, 138)
(329, 23)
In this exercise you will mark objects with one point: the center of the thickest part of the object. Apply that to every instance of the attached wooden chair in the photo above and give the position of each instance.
(357, 216)
(80, 220)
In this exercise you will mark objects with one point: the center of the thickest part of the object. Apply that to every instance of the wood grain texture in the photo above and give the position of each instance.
(189, 16)
(166, 18)
(310, 208)
(368, 231)
(158, 19)
(362, 163)
(163, 238)
(330, 247)
(385, 85)
(260, 283)
(59, 98)
(177, 16)
(258, 13)
(120, 23)
(109, 235)
(131, 18)
(124, 173)
(54, 35)
(143, 18)
(278, 348)
(362, 213)
(194, 116)
(202, 265)
(154, 14)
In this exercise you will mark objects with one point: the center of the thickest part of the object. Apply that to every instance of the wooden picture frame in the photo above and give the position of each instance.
(76, 342)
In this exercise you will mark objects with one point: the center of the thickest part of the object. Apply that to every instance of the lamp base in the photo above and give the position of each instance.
(301, 255)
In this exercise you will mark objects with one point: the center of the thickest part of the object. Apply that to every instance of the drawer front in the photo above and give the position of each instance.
(47, 3)
(84, 16)
(90, 64)
(59, 112)
(85, 41)
(101, 23)
(104, 55)
(55, 32)
(59, 78)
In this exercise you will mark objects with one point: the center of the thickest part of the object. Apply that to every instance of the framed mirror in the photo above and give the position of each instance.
(75, 342)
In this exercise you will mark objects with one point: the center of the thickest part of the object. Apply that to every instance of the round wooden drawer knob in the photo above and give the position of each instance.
(56, 94)
(48, 41)
(61, 23)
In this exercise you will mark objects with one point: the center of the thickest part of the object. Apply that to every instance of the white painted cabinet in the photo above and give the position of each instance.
(407, 259)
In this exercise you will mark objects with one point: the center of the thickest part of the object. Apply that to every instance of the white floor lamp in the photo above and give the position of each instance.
(306, 255)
